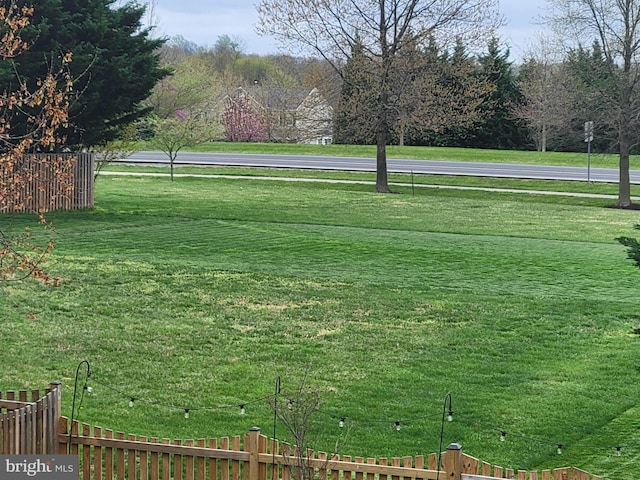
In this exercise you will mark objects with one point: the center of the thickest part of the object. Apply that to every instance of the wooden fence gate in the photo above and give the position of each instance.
(29, 424)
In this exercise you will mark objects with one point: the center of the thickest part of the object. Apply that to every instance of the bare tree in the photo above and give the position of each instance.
(549, 93)
(615, 25)
(384, 28)
(296, 409)
(123, 147)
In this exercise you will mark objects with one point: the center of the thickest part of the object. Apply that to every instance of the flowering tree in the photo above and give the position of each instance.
(44, 108)
(242, 123)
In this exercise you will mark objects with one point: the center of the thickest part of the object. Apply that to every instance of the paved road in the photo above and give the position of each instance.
(394, 166)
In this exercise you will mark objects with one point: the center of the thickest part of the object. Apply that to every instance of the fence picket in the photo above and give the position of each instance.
(166, 461)
(235, 464)
(200, 462)
(383, 462)
(359, 474)
(86, 452)
(395, 462)
(286, 470)
(178, 464)
(213, 463)
(144, 460)
(97, 455)
(371, 475)
(108, 453)
(262, 467)
(131, 460)
(224, 463)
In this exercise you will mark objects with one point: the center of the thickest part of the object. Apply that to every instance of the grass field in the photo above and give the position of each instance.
(200, 293)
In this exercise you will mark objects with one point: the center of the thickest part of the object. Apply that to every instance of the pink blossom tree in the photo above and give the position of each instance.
(242, 123)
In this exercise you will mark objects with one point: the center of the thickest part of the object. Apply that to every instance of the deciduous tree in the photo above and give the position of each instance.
(549, 93)
(192, 85)
(121, 148)
(242, 123)
(384, 28)
(450, 94)
(182, 104)
(357, 103)
(181, 130)
(31, 117)
(615, 24)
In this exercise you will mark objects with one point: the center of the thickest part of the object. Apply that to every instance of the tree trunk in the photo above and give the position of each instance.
(624, 129)
(172, 158)
(381, 163)
(624, 185)
(382, 131)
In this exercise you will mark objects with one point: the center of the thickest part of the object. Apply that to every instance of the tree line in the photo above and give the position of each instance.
(439, 97)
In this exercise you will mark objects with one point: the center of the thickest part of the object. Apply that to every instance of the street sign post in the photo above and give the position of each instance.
(588, 138)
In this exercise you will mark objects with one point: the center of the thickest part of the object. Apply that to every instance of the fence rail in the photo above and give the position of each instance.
(32, 425)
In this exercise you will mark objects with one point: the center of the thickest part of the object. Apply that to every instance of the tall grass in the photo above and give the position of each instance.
(201, 292)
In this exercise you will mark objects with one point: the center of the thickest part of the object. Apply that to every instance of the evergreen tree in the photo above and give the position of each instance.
(454, 68)
(501, 128)
(453, 98)
(115, 64)
(411, 82)
(356, 106)
(592, 78)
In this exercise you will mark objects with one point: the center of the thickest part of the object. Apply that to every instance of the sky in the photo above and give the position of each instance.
(203, 21)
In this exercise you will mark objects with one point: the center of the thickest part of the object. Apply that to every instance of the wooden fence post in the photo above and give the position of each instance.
(452, 461)
(254, 451)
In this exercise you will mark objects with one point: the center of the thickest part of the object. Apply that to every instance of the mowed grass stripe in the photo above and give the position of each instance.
(453, 262)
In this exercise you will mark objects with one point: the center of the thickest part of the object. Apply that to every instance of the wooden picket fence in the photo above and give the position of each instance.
(107, 455)
(49, 181)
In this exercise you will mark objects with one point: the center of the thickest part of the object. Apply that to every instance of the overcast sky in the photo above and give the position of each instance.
(203, 21)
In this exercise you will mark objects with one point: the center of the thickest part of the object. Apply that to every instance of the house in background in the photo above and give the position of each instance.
(314, 119)
(292, 115)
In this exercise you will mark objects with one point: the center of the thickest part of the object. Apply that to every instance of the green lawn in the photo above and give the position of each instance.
(201, 292)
